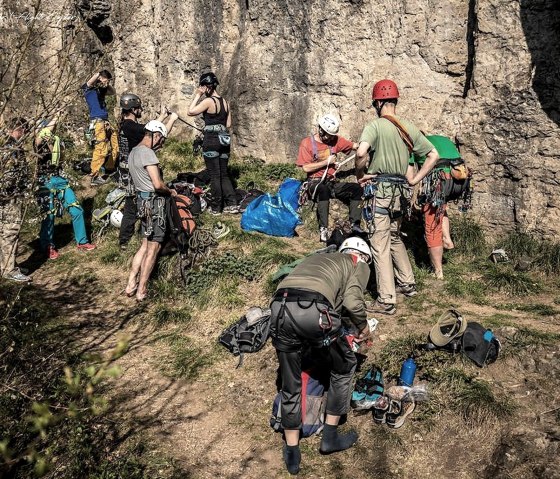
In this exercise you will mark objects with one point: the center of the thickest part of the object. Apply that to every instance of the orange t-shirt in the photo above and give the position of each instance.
(305, 154)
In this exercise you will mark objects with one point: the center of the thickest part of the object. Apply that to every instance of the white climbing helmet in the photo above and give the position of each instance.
(355, 244)
(156, 127)
(330, 124)
(116, 218)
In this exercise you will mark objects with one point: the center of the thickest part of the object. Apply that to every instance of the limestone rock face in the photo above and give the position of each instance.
(484, 72)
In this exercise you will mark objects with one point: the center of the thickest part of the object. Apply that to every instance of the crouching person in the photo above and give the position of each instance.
(306, 314)
(151, 191)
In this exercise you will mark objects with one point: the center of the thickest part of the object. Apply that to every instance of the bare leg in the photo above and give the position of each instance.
(446, 229)
(135, 269)
(292, 436)
(436, 258)
(146, 269)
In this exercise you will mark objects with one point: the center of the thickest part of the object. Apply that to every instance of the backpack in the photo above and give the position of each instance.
(480, 345)
(313, 403)
(181, 221)
(245, 197)
(246, 335)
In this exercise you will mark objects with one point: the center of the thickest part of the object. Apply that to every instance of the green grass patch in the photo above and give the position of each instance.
(538, 309)
(164, 314)
(545, 255)
(178, 157)
(526, 340)
(504, 279)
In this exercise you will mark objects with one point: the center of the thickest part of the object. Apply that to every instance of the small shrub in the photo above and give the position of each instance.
(468, 236)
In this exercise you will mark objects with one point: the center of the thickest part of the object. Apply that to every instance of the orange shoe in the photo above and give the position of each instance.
(86, 247)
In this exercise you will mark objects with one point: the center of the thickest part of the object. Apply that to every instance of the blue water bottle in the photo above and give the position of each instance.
(408, 371)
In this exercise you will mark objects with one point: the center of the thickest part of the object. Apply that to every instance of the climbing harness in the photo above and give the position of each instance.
(398, 183)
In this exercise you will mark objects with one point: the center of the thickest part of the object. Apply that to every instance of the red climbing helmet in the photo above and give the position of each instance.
(384, 90)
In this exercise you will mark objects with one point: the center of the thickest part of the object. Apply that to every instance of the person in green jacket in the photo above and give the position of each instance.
(305, 313)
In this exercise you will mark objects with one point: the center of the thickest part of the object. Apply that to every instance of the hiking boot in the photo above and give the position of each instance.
(97, 181)
(396, 420)
(17, 275)
(381, 308)
(85, 247)
(323, 234)
(52, 253)
(231, 210)
(408, 290)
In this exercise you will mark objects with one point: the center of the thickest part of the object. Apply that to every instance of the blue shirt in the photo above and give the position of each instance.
(95, 99)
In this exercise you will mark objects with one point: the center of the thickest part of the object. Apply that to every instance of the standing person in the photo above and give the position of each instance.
(131, 133)
(55, 192)
(152, 194)
(434, 208)
(384, 139)
(95, 90)
(14, 182)
(217, 143)
(317, 158)
(305, 313)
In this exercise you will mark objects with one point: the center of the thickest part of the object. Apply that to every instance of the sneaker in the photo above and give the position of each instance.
(323, 234)
(220, 230)
(381, 308)
(380, 409)
(52, 253)
(231, 210)
(17, 275)
(123, 246)
(97, 181)
(213, 212)
(408, 290)
(85, 247)
(406, 408)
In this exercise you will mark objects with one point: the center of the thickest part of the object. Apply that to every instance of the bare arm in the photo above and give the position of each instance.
(158, 183)
(92, 80)
(431, 159)
(198, 108)
(171, 119)
(362, 159)
(228, 121)
(319, 165)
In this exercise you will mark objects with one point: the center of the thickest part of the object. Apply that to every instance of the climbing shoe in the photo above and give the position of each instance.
(381, 308)
(85, 247)
(408, 290)
(368, 390)
(292, 458)
(323, 234)
(52, 253)
(331, 441)
(213, 212)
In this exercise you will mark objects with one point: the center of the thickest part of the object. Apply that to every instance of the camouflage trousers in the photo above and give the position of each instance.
(11, 216)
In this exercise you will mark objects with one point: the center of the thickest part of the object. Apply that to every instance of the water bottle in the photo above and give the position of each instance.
(408, 371)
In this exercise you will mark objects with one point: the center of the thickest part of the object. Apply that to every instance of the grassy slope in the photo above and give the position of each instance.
(180, 409)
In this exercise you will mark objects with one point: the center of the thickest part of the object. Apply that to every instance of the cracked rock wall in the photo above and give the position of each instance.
(485, 72)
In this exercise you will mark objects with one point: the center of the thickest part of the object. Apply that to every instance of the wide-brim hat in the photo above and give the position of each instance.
(449, 326)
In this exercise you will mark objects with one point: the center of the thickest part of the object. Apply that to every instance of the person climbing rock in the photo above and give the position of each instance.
(54, 192)
(15, 181)
(433, 202)
(131, 133)
(317, 158)
(216, 146)
(389, 141)
(152, 194)
(105, 143)
(305, 313)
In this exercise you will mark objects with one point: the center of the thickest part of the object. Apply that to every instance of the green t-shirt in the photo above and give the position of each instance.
(445, 148)
(388, 152)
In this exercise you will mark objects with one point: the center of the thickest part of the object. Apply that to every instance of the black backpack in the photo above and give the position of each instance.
(242, 337)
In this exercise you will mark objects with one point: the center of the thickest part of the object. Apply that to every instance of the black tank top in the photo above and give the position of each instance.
(219, 118)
